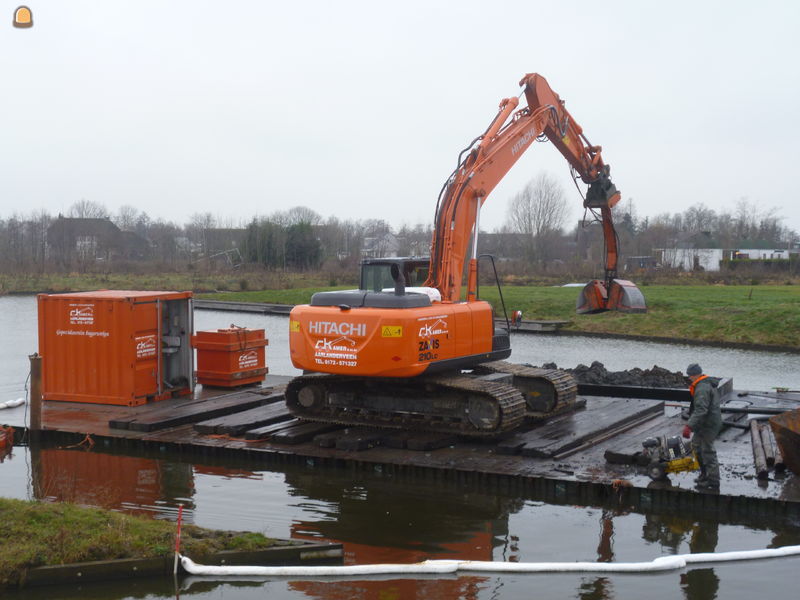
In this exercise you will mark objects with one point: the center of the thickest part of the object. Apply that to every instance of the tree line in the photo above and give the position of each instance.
(536, 235)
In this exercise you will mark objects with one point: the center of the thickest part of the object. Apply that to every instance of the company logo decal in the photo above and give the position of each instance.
(335, 328)
(341, 351)
(438, 326)
(526, 139)
(248, 359)
(146, 346)
(81, 314)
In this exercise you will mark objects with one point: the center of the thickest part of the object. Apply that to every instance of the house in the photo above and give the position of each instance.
(383, 246)
(640, 263)
(692, 259)
(762, 253)
(133, 246)
(93, 239)
(82, 238)
(711, 259)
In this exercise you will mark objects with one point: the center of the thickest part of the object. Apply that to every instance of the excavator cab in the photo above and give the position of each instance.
(378, 274)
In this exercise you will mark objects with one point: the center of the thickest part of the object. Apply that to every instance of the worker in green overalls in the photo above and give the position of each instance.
(705, 423)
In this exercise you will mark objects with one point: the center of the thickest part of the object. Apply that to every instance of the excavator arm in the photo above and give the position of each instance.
(487, 160)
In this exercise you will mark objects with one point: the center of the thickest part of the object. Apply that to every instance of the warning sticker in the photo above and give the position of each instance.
(392, 331)
(294, 326)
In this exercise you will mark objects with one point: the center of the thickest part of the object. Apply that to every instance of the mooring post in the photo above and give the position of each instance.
(35, 425)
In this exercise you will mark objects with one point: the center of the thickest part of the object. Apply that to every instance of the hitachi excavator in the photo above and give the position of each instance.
(406, 350)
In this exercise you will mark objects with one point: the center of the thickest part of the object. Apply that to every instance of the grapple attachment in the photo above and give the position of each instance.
(622, 295)
(625, 297)
(592, 299)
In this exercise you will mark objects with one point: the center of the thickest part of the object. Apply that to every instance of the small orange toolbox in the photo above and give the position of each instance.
(230, 357)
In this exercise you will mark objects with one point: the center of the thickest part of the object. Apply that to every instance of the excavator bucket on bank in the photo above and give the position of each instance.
(622, 295)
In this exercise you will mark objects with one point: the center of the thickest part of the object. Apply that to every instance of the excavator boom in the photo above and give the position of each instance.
(486, 162)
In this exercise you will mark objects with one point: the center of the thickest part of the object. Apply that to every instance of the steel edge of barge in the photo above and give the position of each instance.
(579, 477)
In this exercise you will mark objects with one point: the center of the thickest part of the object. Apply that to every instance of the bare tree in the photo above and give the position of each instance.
(296, 215)
(87, 209)
(699, 218)
(538, 212)
(197, 226)
(126, 217)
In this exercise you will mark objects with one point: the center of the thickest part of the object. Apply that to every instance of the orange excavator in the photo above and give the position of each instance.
(406, 350)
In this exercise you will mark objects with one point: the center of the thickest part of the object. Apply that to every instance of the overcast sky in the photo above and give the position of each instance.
(359, 109)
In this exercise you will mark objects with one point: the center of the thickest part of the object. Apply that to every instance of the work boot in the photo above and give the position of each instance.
(708, 486)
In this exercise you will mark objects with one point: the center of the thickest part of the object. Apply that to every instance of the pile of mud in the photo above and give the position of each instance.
(597, 373)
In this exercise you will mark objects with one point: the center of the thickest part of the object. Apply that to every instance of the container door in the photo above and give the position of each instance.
(145, 340)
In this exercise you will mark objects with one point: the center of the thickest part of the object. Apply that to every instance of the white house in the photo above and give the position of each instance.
(689, 259)
(709, 259)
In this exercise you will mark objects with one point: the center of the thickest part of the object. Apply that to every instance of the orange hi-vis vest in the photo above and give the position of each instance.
(695, 382)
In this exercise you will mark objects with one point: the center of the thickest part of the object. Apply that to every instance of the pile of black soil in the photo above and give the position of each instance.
(597, 373)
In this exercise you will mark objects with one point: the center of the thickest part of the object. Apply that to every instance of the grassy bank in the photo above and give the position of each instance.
(37, 534)
(746, 314)
(768, 315)
(179, 281)
(760, 314)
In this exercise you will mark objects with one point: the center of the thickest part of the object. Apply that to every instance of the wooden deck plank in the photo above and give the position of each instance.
(570, 431)
(430, 441)
(272, 411)
(302, 432)
(265, 433)
(359, 438)
(625, 450)
(191, 413)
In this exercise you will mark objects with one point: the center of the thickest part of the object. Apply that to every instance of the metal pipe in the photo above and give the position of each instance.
(478, 200)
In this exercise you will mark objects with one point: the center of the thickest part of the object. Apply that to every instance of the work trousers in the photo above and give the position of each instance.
(703, 446)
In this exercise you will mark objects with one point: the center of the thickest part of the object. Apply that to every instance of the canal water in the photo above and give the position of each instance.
(751, 370)
(383, 518)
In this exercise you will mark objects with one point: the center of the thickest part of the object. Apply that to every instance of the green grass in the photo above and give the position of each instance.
(28, 283)
(293, 296)
(767, 314)
(39, 533)
(761, 314)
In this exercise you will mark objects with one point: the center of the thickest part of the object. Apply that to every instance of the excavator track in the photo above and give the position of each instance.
(547, 392)
(454, 403)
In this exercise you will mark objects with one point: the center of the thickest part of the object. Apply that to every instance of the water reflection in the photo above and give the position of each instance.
(380, 518)
(376, 528)
(134, 484)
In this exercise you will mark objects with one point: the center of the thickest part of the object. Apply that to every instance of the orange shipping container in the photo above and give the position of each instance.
(115, 346)
(230, 357)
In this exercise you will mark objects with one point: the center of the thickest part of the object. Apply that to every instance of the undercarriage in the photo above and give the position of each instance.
(494, 399)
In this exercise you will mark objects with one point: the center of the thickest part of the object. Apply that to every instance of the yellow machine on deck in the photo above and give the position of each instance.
(668, 455)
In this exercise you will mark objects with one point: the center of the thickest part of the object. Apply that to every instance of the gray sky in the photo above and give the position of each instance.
(359, 109)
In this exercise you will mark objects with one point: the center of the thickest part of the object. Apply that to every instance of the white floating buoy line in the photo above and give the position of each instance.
(662, 563)
(12, 403)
